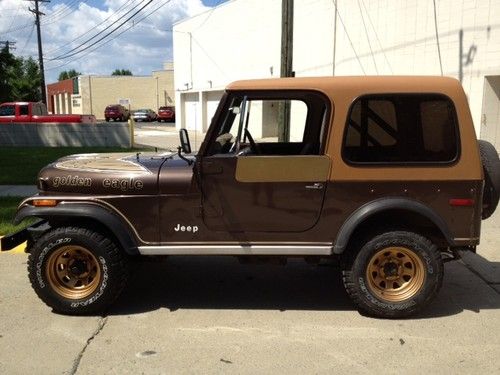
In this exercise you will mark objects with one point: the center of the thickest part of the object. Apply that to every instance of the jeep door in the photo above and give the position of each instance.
(264, 168)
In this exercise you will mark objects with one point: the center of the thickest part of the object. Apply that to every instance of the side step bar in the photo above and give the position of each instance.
(235, 250)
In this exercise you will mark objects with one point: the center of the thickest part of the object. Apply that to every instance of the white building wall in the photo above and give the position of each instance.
(241, 39)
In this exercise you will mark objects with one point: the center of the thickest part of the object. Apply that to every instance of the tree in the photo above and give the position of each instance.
(122, 72)
(6, 62)
(19, 78)
(67, 74)
(26, 85)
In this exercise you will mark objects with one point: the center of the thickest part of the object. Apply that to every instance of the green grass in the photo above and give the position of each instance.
(20, 165)
(8, 206)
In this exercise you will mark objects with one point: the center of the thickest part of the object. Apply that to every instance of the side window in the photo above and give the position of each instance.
(401, 128)
(264, 120)
(269, 125)
(24, 110)
(7, 110)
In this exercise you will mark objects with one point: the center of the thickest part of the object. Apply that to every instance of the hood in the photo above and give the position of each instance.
(107, 174)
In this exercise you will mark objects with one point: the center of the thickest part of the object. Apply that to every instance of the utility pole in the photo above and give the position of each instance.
(7, 44)
(286, 65)
(37, 14)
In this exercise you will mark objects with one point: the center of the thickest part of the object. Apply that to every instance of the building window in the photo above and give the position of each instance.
(401, 128)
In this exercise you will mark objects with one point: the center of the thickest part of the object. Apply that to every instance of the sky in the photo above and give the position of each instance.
(70, 27)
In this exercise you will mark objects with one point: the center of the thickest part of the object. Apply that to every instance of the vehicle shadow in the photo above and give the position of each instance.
(222, 283)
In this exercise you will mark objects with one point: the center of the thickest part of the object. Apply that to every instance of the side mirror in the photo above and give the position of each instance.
(185, 144)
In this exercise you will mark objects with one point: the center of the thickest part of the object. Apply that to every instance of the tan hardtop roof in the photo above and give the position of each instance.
(364, 84)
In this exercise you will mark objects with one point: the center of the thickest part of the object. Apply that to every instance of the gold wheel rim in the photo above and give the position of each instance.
(395, 274)
(73, 272)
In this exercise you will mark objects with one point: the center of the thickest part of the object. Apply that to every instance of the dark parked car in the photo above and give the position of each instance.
(145, 115)
(166, 114)
(116, 112)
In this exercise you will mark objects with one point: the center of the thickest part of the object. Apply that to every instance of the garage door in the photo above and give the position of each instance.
(190, 111)
(490, 118)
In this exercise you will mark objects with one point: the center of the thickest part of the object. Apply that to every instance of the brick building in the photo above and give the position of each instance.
(90, 94)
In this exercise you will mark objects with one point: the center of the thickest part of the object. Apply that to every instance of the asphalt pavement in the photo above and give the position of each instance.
(213, 315)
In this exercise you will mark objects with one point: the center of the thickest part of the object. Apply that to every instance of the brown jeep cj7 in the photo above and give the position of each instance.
(383, 174)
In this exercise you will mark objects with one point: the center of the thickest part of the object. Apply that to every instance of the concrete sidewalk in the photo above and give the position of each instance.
(17, 190)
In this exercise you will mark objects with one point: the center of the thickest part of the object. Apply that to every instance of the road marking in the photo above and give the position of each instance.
(17, 250)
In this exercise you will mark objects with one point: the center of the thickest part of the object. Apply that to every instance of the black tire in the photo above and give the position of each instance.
(491, 169)
(369, 278)
(107, 119)
(77, 271)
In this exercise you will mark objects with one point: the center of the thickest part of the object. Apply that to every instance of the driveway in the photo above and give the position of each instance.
(213, 315)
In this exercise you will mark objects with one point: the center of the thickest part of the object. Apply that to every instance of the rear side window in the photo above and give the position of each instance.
(39, 109)
(400, 129)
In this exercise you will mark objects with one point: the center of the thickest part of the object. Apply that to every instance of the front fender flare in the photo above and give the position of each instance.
(386, 204)
(94, 212)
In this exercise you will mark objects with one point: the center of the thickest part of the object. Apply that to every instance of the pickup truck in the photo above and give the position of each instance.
(23, 112)
(383, 176)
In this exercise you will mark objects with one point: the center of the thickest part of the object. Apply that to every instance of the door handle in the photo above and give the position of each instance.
(315, 186)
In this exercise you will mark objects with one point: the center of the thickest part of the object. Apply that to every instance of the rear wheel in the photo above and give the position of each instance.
(76, 270)
(394, 275)
(107, 119)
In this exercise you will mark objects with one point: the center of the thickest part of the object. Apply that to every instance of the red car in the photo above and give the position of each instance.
(116, 112)
(166, 114)
(23, 112)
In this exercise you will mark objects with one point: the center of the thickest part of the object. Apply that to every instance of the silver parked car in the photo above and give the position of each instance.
(145, 115)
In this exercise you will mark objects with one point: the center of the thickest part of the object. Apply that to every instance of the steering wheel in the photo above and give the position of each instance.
(254, 146)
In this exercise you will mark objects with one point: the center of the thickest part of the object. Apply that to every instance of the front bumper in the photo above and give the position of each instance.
(15, 239)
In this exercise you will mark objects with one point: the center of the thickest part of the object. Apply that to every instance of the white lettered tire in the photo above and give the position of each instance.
(77, 270)
(394, 274)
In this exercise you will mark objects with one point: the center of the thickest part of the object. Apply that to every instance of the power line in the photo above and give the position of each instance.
(17, 28)
(437, 36)
(376, 36)
(349, 38)
(14, 18)
(69, 54)
(114, 37)
(61, 13)
(90, 30)
(28, 39)
(367, 37)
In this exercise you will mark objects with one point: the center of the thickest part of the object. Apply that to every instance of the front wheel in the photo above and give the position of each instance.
(76, 270)
(394, 275)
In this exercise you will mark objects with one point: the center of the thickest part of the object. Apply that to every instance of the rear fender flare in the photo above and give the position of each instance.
(380, 205)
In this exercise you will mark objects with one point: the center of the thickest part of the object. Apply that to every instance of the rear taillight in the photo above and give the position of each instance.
(461, 202)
